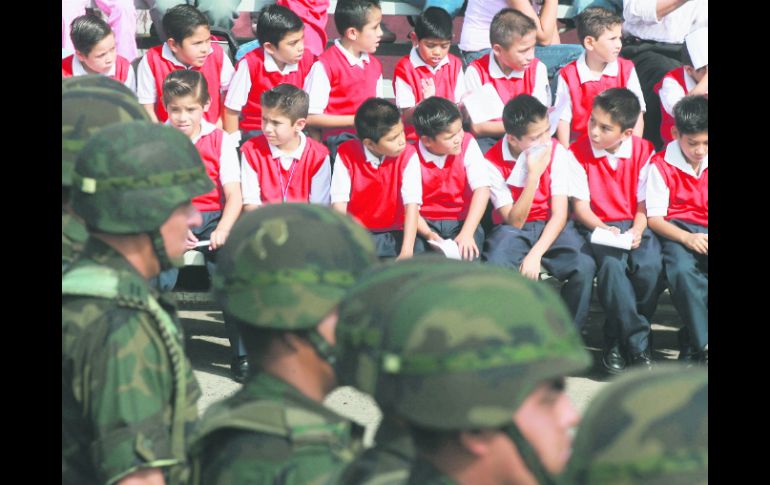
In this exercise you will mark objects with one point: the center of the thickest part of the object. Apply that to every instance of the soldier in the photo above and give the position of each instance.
(281, 275)
(645, 428)
(128, 391)
(478, 361)
(89, 103)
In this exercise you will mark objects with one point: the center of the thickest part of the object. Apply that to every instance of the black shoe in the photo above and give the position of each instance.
(239, 369)
(642, 359)
(388, 37)
(613, 361)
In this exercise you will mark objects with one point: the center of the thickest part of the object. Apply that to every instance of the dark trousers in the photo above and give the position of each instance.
(628, 284)
(687, 276)
(652, 61)
(389, 243)
(568, 259)
(447, 230)
(334, 141)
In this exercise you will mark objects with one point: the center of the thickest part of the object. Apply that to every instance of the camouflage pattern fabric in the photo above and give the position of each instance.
(423, 473)
(123, 374)
(268, 432)
(645, 428)
(73, 238)
(388, 461)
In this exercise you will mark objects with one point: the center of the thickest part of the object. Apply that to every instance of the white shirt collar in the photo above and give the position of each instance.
(496, 72)
(167, 54)
(272, 66)
(287, 158)
(206, 129)
(675, 157)
(79, 70)
(416, 60)
(585, 74)
(624, 150)
(437, 160)
(353, 61)
(373, 159)
(507, 155)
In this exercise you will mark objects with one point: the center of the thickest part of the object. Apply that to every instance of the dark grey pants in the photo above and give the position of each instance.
(448, 229)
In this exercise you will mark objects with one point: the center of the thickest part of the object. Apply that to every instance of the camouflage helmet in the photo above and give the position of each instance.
(646, 427)
(286, 266)
(130, 177)
(89, 103)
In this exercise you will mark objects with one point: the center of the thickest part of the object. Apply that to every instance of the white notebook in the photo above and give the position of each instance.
(608, 238)
(448, 247)
(484, 104)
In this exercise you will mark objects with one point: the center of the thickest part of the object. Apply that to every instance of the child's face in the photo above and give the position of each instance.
(519, 55)
(697, 74)
(607, 47)
(604, 132)
(101, 58)
(290, 48)
(368, 38)
(695, 147)
(538, 133)
(194, 49)
(391, 144)
(448, 142)
(278, 128)
(186, 113)
(432, 50)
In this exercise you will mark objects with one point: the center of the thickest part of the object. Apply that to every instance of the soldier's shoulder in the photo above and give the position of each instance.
(374, 466)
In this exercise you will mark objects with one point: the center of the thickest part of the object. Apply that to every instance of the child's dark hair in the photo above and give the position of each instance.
(621, 104)
(375, 118)
(86, 31)
(434, 115)
(594, 21)
(185, 82)
(507, 24)
(180, 21)
(520, 111)
(353, 13)
(275, 22)
(288, 99)
(433, 23)
(691, 115)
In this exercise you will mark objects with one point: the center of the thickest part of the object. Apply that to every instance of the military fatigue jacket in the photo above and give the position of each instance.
(270, 433)
(424, 473)
(73, 238)
(388, 462)
(128, 391)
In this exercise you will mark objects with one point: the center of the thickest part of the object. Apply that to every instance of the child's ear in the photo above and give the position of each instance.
(351, 33)
(207, 106)
(369, 143)
(425, 139)
(497, 49)
(269, 48)
(80, 56)
(674, 133)
(173, 45)
(628, 133)
(413, 38)
(299, 125)
(589, 42)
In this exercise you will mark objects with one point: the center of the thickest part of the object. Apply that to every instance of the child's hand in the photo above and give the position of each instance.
(434, 237)
(536, 165)
(530, 266)
(218, 238)
(467, 246)
(697, 242)
(404, 255)
(613, 229)
(428, 88)
(191, 240)
(637, 237)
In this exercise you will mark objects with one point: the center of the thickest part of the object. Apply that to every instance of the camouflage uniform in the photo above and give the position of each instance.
(645, 428)
(128, 392)
(284, 267)
(89, 103)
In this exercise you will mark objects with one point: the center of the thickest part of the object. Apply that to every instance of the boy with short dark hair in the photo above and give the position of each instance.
(597, 69)
(610, 194)
(455, 178)
(511, 67)
(282, 164)
(377, 180)
(530, 190)
(429, 69)
(677, 208)
(95, 52)
(281, 58)
(188, 47)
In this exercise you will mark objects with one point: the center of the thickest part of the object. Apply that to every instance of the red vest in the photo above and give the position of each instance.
(350, 85)
(445, 81)
(495, 157)
(446, 194)
(210, 149)
(274, 179)
(540, 210)
(582, 95)
(211, 70)
(121, 68)
(261, 81)
(506, 88)
(688, 198)
(613, 192)
(375, 193)
(666, 120)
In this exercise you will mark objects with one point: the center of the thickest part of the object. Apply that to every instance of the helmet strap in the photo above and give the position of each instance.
(529, 455)
(160, 251)
(323, 348)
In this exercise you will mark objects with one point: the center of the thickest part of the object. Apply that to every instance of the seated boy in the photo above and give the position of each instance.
(609, 194)
(690, 78)
(281, 58)
(346, 74)
(677, 208)
(511, 67)
(429, 69)
(282, 164)
(95, 52)
(377, 179)
(455, 179)
(188, 47)
(530, 190)
(597, 69)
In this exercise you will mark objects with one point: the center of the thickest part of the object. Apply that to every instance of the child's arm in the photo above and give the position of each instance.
(530, 265)
(586, 216)
(318, 87)
(231, 118)
(412, 212)
(330, 121)
(320, 185)
(232, 209)
(696, 242)
(340, 186)
(424, 230)
(464, 240)
(237, 96)
(635, 87)
(703, 85)
(340, 206)
(535, 168)
(639, 225)
(562, 133)
(562, 111)
(639, 127)
(146, 93)
(150, 108)
(670, 93)
(251, 193)
(488, 128)
(545, 23)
